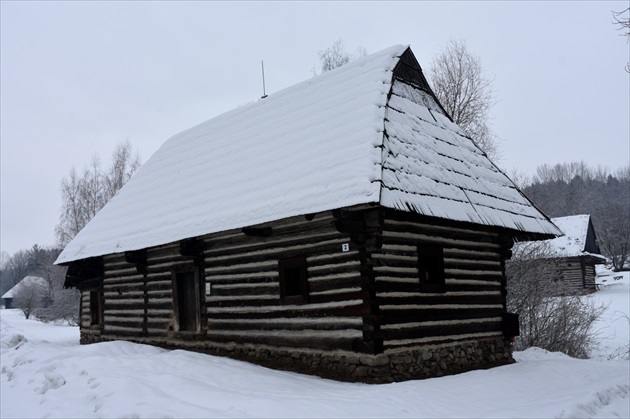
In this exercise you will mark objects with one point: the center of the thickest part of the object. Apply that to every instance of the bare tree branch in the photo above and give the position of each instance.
(458, 80)
(83, 196)
(550, 317)
(336, 56)
(624, 25)
(28, 296)
(623, 21)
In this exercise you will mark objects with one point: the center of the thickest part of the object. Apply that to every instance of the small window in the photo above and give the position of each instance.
(431, 269)
(96, 312)
(293, 280)
(186, 300)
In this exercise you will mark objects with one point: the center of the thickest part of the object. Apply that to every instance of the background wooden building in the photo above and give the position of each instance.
(30, 287)
(343, 227)
(570, 259)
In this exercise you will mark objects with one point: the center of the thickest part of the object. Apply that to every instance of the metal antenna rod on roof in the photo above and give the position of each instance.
(262, 63)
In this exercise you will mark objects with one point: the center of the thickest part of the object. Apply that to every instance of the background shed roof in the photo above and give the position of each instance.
(27, 280)
(572, 243)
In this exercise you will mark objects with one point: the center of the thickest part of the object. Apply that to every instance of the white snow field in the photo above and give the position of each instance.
(46, 373)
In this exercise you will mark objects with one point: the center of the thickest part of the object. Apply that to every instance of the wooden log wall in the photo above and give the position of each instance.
(571, 273)
(474, 300)
(588, 270)
(84, 310)
(577, 273)
(244, 306)
(135, 304)
(364, 299)
(123, 292)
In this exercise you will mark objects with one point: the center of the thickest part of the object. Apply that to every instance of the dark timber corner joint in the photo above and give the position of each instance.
(83, 270)
(192, 248)
(365, 230)
(137, 258)
(364, 227)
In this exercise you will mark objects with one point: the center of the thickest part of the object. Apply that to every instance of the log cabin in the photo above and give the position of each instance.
(343, 227)
(569, 260)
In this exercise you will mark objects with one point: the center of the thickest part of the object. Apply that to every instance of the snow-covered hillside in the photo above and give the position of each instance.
(46, 373)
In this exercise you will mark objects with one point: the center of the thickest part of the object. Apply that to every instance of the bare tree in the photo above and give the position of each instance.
(57, 303)
(84, 195)
(65, 307)
(4, 259)
(458, 80)
(612, 217)
(624, 25)
(613, 229)
(623, 21)
(336, 56)
(42, 264)
(17, 267)
(4, 277)
(27, 296)
(71, 220)
(565, 172)
(519, 177)
(549, 317)
(125, 162)
(92, 193)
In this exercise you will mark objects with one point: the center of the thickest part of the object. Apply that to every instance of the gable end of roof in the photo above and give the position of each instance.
(409, 71)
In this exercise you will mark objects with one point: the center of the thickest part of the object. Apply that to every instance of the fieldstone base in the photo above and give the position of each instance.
(89, 336)
(394, 365)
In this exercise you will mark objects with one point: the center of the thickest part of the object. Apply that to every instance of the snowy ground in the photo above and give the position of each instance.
(46, 373)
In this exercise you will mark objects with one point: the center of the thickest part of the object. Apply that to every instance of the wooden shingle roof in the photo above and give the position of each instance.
(368, 132)
(578, 239)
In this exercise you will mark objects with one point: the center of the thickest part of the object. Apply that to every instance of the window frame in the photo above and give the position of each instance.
(286, 264)
(431, 269)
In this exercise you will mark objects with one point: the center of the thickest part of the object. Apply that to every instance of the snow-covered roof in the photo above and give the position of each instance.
(27, 280)
(575, 229)
(354, 135)
(572, 243)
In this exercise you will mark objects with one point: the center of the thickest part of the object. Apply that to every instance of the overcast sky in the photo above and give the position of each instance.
(78, 77)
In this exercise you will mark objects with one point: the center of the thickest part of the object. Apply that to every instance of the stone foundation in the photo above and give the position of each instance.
(90, 336)
(393, 365)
